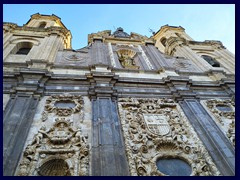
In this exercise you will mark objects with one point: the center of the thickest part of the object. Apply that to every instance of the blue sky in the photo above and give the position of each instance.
(201, 21)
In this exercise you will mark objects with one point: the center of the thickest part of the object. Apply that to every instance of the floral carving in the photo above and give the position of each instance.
(60, 150)
(63, 111)
(225, 118)
(171, 136)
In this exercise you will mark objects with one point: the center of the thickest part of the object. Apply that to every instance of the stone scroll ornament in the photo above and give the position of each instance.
(224, 113)
(160, 141)
(76, 102)
(60, 150)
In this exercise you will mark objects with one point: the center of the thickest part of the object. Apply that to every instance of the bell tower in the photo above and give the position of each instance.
(207, 55)
(37, 42)
(29, 51)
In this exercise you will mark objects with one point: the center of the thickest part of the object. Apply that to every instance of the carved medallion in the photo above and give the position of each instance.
(64, 105)
(182, 64)
(79, 57)
(157, 124)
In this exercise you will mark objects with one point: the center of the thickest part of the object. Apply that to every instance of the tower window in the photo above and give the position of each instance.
(163, 41)
(22, 48)
(211, 61)
(42, 25)
(24, 51)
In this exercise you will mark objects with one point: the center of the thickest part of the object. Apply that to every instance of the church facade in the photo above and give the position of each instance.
(125, 105)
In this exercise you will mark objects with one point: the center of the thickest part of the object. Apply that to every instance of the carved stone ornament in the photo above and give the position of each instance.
(73, 57)
(59, 151)
(52, 102)
(44, 116)
(76, 57)
(156, 131)
(182, 64)
(224, 113)
(126, 58)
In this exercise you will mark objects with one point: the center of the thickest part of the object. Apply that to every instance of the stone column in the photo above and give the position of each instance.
(7, 51)
(145, 58)
(108, 151)
(6, 39)
(99, 52)
(110, 51)
(217, 144)
(155, 58)
(229, 54)
(48, 48)
(17, 121)
(226, 60)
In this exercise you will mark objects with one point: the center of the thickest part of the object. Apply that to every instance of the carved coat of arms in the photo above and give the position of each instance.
(157, 124)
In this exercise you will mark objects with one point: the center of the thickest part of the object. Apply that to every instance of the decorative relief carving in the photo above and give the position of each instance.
(224, 113)
(126, 58)
(182, 64)
(44, 116)
(57, 149)
(156, 129)
(63, 111)
(83, 57)
(60, 150)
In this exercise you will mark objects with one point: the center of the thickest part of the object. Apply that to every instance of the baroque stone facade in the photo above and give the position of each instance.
(157, 129)
(62, 149)
(126, 104)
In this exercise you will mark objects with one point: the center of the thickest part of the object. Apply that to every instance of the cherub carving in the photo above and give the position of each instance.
(39, 136)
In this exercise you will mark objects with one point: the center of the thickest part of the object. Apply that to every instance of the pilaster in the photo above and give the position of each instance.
(17, 121)
(218, 146)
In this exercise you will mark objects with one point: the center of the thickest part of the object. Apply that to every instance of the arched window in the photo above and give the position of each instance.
(42, 25)
(163, 41)
(211, 61)
(22, 48)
